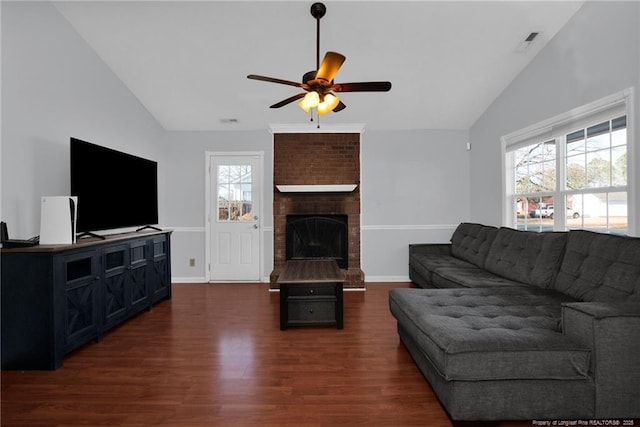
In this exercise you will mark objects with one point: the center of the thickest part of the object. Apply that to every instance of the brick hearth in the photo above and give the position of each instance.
(317, 159)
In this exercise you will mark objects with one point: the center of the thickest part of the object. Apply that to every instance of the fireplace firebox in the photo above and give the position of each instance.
(317, 237)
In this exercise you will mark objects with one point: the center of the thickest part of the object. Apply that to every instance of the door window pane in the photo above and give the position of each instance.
(234, 193)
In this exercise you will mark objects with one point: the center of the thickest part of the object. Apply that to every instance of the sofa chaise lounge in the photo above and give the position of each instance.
(515, 325)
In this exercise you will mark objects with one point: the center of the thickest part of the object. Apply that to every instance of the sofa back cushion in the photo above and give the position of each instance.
(600, 267)
(525, 256)
(471, 242)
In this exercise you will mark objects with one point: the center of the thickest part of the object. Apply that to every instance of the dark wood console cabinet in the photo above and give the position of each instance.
(56, 298)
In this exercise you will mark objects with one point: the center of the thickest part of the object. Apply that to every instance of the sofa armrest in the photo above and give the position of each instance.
(612, 332)
(601, 310)
(430, 248)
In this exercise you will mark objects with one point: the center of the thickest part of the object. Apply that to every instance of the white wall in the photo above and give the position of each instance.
(53, 87)
(596, 54)
(415, 189)
(184, 174)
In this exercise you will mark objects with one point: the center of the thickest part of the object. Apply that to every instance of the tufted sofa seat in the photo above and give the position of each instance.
(530, 326)
(510, 333)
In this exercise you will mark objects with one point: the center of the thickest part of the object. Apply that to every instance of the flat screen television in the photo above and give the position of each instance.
(114, 189)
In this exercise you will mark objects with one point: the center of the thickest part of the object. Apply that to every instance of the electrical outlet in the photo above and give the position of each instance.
(192, 262)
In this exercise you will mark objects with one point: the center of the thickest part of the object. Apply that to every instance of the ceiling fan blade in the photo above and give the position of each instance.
(273, 80)
(362, 87)
(288, 100)
(339, 107)
(330, 65)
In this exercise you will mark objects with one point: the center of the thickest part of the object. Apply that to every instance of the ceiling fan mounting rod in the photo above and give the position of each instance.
(317, 11)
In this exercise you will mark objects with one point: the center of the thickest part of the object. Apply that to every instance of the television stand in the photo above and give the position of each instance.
(57, 298)
(149, 227)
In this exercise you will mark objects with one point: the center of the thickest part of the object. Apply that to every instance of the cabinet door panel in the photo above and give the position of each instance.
(81, 316)
(138, 284)
(115, 305)
(81, 301)
(79, 267)
(116, 270)
(160, 282)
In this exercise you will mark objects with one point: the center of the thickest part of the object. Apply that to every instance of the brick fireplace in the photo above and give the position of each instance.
(312, 160)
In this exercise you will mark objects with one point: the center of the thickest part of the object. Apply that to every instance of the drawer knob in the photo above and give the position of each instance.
(311, 310)
(311, 291)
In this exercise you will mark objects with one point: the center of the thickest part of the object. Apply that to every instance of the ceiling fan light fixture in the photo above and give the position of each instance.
(310, 100)
(328, 104)
(319, 83)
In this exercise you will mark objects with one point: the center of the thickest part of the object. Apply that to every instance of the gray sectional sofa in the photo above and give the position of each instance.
(514, 325)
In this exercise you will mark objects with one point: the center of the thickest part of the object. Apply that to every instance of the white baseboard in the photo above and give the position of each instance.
(178, 280)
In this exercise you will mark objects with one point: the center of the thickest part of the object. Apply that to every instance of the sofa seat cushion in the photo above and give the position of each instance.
(446, 277)
(600, 267)
(491, 333)
(427, 264)
(526, 256)
(432, 262)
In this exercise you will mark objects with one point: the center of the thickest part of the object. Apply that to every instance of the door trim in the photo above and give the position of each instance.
(208, 214)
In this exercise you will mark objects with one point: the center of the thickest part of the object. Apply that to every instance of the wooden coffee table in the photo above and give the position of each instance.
(311, 293)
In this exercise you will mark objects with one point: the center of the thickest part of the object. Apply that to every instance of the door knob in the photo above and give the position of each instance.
(255, 225)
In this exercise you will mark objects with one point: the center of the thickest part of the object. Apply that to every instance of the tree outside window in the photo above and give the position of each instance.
(590, 186)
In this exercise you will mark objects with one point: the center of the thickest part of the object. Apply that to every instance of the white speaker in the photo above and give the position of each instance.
(58, 220)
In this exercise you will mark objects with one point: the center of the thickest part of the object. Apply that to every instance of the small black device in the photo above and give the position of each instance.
(14, 243)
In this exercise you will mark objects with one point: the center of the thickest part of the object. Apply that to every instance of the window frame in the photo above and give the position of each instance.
(556, 129)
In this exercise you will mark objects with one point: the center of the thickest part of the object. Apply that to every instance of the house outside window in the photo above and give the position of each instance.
(576, 163)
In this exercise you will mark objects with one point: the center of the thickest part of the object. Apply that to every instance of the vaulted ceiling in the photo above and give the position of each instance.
(187, 61)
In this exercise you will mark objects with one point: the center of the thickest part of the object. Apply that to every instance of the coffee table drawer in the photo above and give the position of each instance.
(320, 311)
(312, 290)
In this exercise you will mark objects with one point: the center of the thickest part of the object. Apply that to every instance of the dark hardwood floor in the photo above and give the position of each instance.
(214, 356)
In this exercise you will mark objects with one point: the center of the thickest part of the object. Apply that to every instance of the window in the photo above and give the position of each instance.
(234, 193)
(576, 163)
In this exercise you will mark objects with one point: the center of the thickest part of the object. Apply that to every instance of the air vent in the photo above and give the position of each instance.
(527, 42)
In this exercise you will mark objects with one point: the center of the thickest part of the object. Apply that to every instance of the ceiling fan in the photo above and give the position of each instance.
(319, 84)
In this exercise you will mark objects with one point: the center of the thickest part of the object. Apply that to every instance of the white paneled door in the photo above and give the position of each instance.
(234, 221)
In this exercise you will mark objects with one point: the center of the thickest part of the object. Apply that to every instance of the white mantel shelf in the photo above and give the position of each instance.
(341, 188)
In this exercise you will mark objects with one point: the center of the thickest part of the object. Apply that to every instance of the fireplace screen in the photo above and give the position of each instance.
(317, 237)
